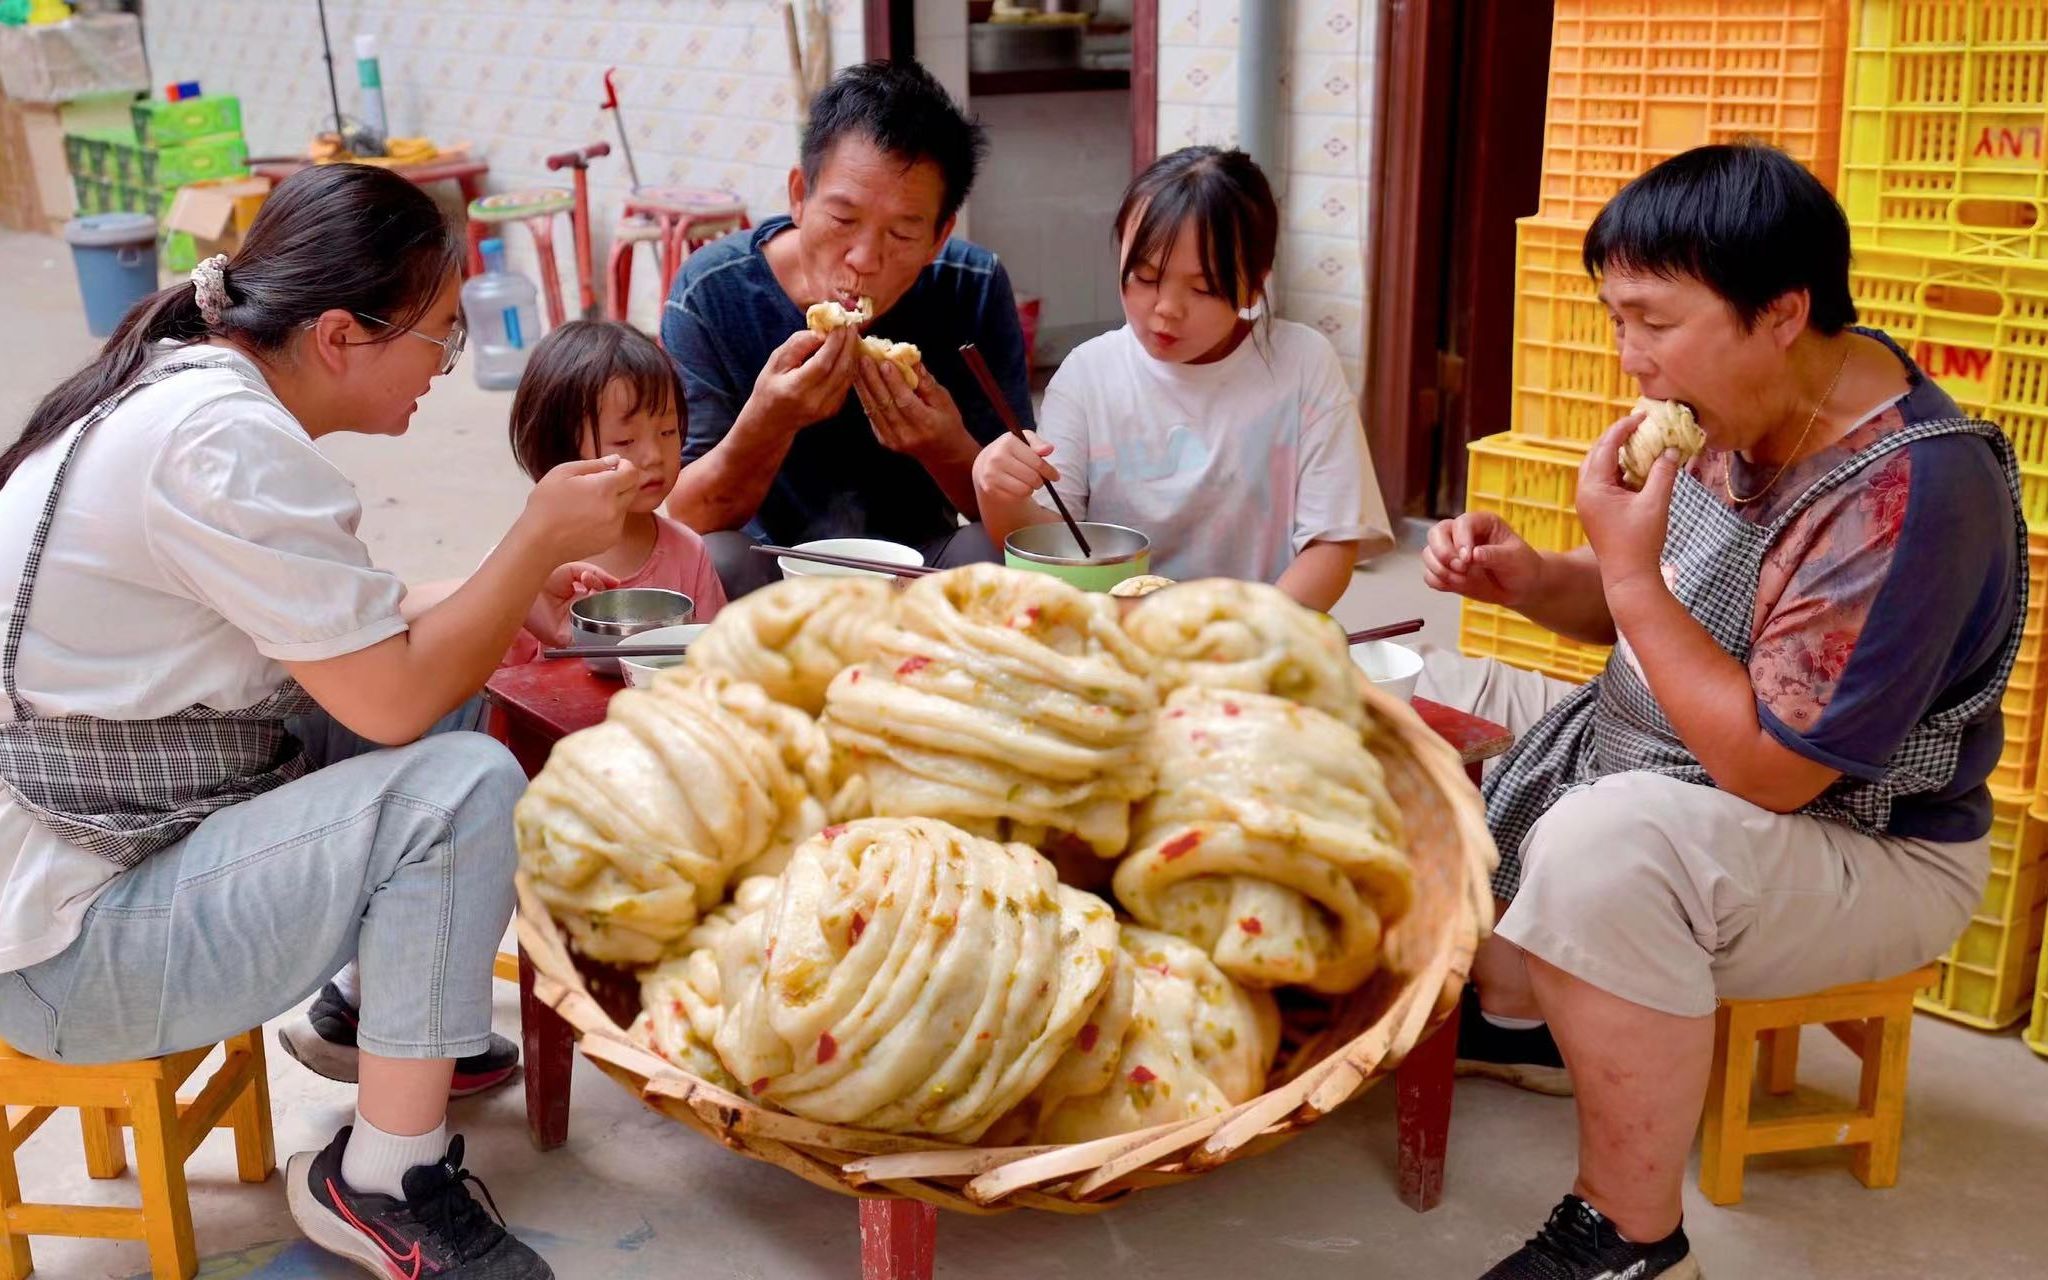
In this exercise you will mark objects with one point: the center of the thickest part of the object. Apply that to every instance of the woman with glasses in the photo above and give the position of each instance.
(234, 760)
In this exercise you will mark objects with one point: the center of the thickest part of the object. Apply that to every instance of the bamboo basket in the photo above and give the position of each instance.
(1330, 1050)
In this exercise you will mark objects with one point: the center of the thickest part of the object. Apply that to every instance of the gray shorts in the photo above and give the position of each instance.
(1669, 894)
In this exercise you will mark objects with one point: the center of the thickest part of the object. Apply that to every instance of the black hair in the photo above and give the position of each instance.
(346, 237)
(1227, 198)
(904, 111)
(1744, 219)
(561, 393)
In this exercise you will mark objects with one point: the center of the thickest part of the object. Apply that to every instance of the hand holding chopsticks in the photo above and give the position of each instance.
(979, 368)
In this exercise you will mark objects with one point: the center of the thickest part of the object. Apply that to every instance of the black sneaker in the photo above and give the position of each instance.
(1525, 1059)
(1578, 1244)
(325, 1044)
(437, 1230)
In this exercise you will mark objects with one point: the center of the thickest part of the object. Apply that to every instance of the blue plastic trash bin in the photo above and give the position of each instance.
(115, 255)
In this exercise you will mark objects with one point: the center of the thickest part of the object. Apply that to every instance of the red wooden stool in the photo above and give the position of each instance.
(536, 207)
(678, 221)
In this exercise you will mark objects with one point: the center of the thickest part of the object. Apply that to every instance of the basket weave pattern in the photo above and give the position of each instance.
(1330, 1051)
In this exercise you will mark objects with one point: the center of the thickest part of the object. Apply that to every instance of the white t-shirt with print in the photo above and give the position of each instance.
(201, 539)
(1230, 468)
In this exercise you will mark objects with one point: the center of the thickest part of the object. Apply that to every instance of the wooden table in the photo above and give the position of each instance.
(536, 704)
(466, 173)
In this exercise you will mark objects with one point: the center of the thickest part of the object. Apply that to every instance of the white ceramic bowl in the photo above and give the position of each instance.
(1394, 668)
(865, 548)
(639, 672)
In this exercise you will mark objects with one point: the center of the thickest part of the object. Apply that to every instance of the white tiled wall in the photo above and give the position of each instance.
(1058, 165)
(705, 85)
(1328, 127)
(940, 29)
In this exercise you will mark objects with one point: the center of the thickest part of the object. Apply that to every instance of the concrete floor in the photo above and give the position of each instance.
(633, 1195)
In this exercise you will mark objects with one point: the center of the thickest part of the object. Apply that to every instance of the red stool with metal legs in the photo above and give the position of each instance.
(683, 219)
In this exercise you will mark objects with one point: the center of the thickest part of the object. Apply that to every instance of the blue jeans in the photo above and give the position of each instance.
(399, 858)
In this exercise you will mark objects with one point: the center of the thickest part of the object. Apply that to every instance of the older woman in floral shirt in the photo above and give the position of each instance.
(1778, 783)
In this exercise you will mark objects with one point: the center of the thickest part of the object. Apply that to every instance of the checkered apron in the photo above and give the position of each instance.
(1613, 724)
(123, 789)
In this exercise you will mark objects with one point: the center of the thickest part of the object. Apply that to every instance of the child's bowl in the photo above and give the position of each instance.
(1393, 667)
(1049, 548)
(606, 617)
(864, 548)
(640, 672)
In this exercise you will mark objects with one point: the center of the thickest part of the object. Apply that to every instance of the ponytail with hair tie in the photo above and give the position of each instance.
(210, 289)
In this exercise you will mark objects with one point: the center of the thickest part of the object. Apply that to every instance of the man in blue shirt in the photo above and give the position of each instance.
(793, 435)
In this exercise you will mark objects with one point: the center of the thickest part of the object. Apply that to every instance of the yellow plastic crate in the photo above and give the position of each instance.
(2025, 706)
(1987, 977)
(1495, 631)
(1532, 484)
(1944, 127)
(2036, 1034)
(1979, 328)
(1568, 383)
(1635, 82)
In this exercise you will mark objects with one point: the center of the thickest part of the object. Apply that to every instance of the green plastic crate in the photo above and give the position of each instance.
(93, 195)
(162, 124)
(91, 153)
(167, 168)
(178, 252)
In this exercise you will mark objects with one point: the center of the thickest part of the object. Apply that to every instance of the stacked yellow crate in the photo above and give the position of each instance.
(1945, 107)
(1632, 83)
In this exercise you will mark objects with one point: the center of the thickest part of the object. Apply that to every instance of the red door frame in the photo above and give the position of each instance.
(1458, 160)
(1144, 83)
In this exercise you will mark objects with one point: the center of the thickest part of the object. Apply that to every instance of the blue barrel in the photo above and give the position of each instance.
(115, 255)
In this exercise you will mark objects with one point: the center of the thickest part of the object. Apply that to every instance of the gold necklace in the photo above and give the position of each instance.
(1728, 476)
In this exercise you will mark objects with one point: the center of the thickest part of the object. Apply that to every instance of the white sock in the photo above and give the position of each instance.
(376, 1161)
(1506, 1023)
(350, 983)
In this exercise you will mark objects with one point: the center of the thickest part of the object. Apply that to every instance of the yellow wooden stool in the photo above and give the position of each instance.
(142, 1096)
(1874, 1019)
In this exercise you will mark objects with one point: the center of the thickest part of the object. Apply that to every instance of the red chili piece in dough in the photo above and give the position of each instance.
(1179, 846)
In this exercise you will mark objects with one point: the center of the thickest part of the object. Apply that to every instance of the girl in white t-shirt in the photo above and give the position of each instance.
(1231, 441)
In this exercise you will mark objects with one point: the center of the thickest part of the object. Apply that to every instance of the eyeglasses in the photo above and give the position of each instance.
(451, 346)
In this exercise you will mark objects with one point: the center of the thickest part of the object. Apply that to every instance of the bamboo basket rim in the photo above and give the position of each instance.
(1084, 1177)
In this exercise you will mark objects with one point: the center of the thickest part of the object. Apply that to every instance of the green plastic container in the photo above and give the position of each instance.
(1120, 553)
(93, 195)
(91, 153)
(163, 124)
(178, 252)
(226, 156)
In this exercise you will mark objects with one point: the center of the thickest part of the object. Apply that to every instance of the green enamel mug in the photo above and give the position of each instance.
(1120, 553)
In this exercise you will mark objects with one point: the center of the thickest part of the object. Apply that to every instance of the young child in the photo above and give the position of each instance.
(590, 389)
(1232, 442)
(594, 388)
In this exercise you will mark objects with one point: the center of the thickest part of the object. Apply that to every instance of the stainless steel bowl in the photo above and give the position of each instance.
(608, 616)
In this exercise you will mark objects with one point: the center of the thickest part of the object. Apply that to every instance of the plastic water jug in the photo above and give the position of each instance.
(498, 306)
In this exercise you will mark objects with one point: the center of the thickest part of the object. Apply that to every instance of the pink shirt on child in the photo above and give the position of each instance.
(678, 562)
